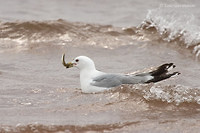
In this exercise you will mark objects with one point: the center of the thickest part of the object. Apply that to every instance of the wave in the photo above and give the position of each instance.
(171, 94)
(32, 128)
(167, 25)
(26, 33)
(174, 26)
(58, 32)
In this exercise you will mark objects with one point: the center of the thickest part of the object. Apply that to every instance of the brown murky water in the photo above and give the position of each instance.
(38, 94)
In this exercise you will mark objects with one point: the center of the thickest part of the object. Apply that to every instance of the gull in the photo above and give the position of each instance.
(92, 80)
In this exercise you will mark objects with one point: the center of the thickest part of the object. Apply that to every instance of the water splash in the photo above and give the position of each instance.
(175, 25)
(176, 94)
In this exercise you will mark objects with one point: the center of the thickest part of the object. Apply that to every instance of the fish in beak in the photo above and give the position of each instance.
(67, 65)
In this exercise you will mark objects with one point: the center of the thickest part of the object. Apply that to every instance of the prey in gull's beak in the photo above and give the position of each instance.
(67, 65)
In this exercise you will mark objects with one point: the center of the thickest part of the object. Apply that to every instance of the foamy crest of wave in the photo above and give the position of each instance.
(176, 94)
(175, 24)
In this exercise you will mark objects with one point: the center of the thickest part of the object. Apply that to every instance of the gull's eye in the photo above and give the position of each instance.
(77, 60)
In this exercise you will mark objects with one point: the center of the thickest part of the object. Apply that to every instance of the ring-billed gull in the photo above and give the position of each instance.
(92, 80)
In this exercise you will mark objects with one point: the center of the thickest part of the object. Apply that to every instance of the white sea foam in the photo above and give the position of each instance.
(176, 24)
(176, 94)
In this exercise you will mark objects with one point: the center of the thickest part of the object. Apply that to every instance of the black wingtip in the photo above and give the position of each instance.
(176, 73)
(163, 77)
(168, 65)
(163, 69)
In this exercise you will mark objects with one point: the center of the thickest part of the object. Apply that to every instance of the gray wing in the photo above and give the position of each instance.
(113, 80)
(107, 80)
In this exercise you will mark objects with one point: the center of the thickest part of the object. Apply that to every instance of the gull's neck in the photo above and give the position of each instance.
(87, 71)
(86, 76)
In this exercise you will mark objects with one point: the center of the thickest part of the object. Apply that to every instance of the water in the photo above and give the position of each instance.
(39, 95)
